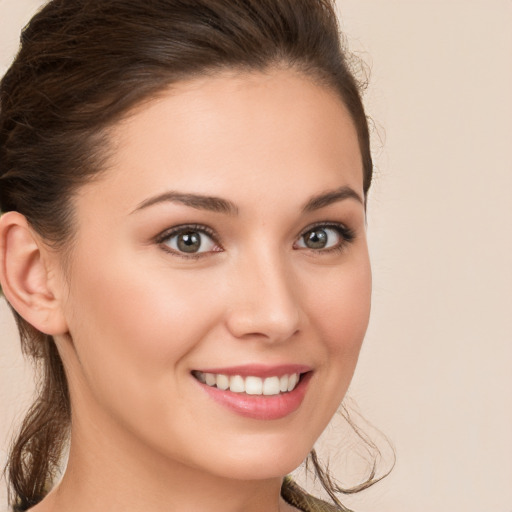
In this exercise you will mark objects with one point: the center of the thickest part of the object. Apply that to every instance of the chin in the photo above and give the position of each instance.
(263, 462)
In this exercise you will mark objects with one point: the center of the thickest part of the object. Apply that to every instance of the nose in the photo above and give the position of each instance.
(265, 302)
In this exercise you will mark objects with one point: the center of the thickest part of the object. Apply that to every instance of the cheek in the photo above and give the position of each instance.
(132, 324)
(341, 308)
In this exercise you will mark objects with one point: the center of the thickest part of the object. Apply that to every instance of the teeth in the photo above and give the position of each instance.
(271, 386)
(222, 381)
(253, 385)
(236, 384)
(292, 381)
(250, 385)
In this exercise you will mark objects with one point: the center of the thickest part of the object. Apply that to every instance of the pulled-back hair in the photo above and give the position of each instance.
(82, 66)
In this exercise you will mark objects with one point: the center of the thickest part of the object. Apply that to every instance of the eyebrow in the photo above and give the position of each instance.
(200, 202)
(219, 205)
(330, 197)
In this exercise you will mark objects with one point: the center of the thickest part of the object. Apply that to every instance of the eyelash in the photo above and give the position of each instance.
(346, 234)
(198, 228)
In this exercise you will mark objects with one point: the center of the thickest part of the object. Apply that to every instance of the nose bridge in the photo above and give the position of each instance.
(265, 302)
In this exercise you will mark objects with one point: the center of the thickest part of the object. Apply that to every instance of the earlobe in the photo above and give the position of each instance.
(25, 276)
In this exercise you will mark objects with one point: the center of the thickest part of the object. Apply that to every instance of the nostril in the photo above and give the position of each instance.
(264, 304)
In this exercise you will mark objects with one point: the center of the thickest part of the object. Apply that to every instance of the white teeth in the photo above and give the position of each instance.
(209, 378)
(222, 381)
(271, 386)
(250, 385)
(253, 385)
(236, 384)
(292, 381)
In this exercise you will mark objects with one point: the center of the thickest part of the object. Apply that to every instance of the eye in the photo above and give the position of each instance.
(325, 237)
(189, 240)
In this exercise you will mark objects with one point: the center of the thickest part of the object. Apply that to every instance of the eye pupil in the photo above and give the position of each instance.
(189, 241)
(316, 239)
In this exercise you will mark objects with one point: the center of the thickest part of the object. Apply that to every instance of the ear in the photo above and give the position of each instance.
(26, 277)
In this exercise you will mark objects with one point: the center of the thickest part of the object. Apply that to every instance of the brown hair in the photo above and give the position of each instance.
(82, 66)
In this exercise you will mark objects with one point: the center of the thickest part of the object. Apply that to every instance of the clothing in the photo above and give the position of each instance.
(297, 497)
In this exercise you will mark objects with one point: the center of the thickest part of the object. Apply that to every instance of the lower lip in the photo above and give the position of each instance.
(261, 407)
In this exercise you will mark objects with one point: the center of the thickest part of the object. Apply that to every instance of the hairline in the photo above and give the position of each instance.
(103, 141)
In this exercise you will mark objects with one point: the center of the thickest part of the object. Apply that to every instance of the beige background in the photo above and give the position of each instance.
(435, 372)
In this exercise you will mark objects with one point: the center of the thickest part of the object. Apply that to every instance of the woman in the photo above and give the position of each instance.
(183, 246)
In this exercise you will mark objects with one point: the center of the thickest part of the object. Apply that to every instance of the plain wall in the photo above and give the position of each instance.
(435, 371)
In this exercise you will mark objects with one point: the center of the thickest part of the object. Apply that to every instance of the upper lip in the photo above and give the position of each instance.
(258, 370)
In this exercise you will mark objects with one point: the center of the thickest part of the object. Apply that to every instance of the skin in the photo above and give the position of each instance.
(135, 318)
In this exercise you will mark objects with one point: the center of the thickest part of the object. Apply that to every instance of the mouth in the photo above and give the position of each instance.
(257, 392)
(251, 384)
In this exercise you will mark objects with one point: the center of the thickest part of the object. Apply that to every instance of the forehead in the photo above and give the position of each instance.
(235, 133)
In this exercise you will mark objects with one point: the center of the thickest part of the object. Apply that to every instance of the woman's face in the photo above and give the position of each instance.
(224, 246)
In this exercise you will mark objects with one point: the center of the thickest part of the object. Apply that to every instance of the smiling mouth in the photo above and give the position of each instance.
(250, 385)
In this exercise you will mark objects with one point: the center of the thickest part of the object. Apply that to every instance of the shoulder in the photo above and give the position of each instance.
(296, 496)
